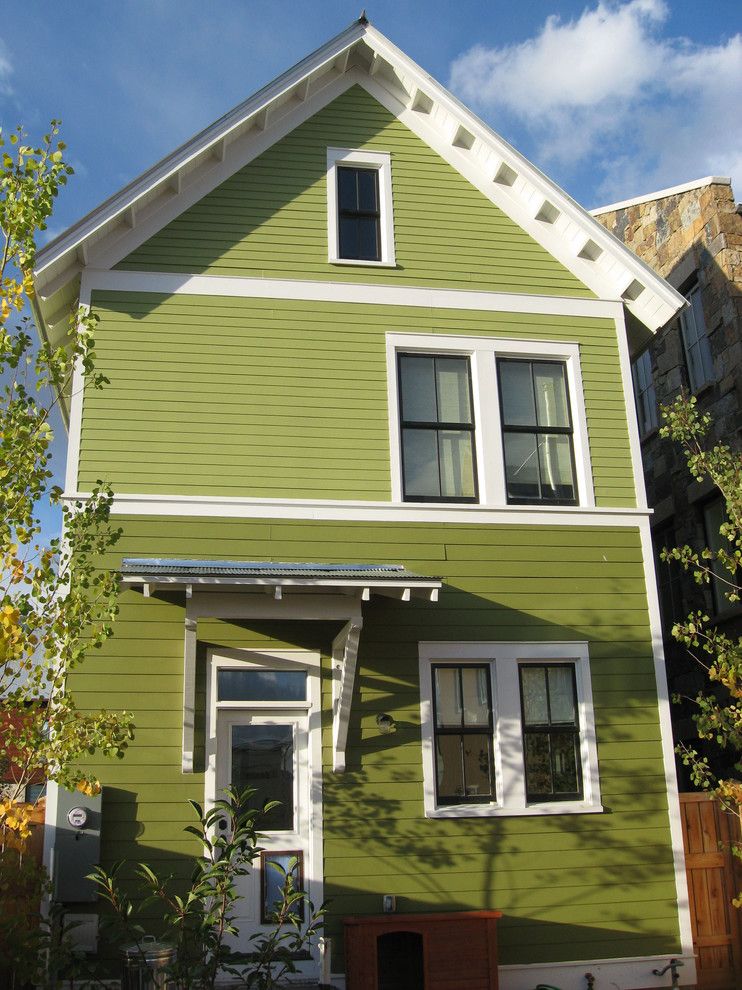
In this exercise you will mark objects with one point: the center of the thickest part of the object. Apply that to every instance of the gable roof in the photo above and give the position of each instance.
(358, 55)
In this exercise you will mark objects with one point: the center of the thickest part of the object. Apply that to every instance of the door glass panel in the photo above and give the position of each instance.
(263, 758)
(261, 685)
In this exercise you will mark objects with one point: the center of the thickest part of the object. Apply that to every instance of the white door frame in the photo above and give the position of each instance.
(218, 658)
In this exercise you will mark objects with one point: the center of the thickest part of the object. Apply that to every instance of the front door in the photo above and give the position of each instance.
(264, 734)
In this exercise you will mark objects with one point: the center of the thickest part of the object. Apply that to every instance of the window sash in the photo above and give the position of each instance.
(695, 341)
(550, 729)
(644, 394)
(469, 791)
(444, 462)
(351, 220)
(541, 452)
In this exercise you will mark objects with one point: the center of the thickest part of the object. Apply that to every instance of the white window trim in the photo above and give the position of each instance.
(488, 442)
(381, 161)
(503, 658)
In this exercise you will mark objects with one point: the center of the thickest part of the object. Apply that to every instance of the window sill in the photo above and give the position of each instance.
(497, 811)
(359, 263)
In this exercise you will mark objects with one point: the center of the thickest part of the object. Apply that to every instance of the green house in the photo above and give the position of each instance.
(386, 551)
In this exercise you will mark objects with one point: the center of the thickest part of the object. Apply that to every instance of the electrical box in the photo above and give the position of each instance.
(76, 846)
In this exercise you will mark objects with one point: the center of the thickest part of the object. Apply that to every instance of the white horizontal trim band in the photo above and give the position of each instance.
(317, 509)
(344, 292)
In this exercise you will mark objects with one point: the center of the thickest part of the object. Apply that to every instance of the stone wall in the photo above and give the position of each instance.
(688, 237)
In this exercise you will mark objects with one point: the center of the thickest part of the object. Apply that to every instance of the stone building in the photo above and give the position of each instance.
(692, 236)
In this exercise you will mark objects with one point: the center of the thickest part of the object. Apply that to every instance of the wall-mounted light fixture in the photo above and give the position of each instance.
(386, 724)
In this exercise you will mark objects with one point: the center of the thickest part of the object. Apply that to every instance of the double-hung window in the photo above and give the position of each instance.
(696, 342)
(489, 421)
(508, 729)
(437, 428)
(536, 432)
(360, 221)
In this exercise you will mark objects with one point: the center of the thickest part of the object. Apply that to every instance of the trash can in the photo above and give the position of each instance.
(148, 966)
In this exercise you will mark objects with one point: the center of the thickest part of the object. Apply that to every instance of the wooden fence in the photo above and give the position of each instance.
(714, 878)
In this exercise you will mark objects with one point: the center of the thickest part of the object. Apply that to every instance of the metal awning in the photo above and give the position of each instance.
(232, 589)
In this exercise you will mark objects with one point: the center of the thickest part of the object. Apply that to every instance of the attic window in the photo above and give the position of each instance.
(360, 225)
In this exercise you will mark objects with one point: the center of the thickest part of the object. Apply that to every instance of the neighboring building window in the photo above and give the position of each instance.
(551, 733)
(644, 394)
(508, 729)
(437, 428)
(359, 207)
(537, 432)
(487, 420)
(696, 342)
(668, 578)
(714, 517)
(34, 793)
(462, 725)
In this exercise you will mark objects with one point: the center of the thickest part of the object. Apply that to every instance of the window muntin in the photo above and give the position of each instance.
(644, 394)
(537, 432)
(437, 428)
(463, 731)
(359, 214)
(551, 732)
(696, 342)
(570, 721)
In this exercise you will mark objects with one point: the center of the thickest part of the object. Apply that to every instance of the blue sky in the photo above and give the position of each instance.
(612, 99)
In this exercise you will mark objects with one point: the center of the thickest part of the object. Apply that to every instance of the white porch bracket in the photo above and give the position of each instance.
(189, 692)
(344, 657)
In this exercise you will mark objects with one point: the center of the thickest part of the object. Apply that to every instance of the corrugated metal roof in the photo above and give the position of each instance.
(154, 567)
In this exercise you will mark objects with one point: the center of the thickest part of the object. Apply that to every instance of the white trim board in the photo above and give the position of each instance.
(668, 746)
(502, 174)
(710, 180)
(168, 283)
(407, 512)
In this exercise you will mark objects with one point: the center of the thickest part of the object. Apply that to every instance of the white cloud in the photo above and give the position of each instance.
(607, 90)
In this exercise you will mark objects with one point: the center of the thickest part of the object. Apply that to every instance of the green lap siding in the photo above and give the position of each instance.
(570, 886)
(288, 399)
(270, 218)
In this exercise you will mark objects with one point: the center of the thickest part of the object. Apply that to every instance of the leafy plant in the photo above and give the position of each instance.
(56, 604)
(201, 923)
(718, 715)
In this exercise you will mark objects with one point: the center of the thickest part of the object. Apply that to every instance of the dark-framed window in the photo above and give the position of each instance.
(437, 428)
(695, 341)
(359, 213)
(537, 432)
(463, 733)
(551, 731)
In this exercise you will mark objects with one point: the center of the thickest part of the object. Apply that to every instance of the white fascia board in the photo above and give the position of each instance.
(166, 168)
(441, 128)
